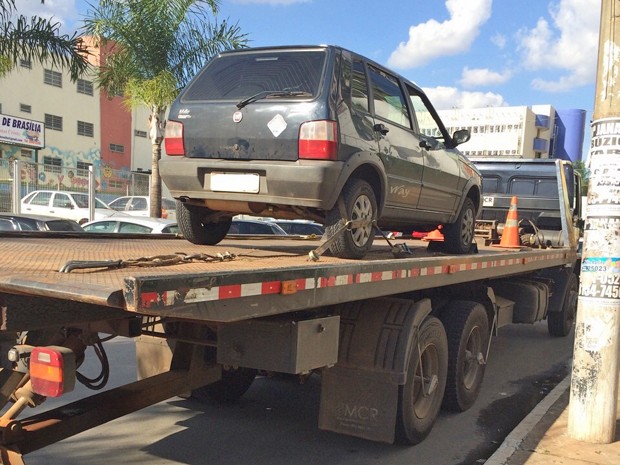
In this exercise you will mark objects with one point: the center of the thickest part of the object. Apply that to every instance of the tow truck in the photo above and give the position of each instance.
(395, 337)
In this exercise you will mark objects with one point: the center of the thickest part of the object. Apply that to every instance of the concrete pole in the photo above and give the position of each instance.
(594, 385)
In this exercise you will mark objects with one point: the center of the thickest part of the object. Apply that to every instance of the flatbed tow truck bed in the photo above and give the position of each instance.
(270, 276)
(208, 317)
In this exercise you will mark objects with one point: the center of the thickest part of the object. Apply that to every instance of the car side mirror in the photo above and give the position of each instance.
(461, 136)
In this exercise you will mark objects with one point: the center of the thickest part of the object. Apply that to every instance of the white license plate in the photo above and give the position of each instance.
(488, 201)
(235, 182)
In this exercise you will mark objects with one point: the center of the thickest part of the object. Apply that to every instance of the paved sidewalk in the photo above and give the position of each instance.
(542, 438)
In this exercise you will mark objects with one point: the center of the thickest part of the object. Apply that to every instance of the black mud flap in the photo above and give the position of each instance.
(359, 395)
(358, 403)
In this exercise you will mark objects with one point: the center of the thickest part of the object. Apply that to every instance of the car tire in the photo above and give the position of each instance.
(234, 384)
(459, 236)
(191, 221)
(357, 201)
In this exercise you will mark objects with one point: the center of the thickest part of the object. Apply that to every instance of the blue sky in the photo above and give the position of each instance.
(464, 53)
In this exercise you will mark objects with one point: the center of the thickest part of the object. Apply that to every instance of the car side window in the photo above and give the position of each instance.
(424, 122)
(42, 198)
(138, 204)
(6, 225)
(133, 228)
(359, 87)
(61, 201)
(388, 98)
(102, 227)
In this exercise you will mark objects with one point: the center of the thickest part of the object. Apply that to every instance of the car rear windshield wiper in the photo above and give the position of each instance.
(272, 93)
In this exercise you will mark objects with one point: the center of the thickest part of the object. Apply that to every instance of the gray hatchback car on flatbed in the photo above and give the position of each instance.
(320, 133)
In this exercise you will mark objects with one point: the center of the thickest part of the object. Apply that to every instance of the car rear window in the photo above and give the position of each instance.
(243, 75)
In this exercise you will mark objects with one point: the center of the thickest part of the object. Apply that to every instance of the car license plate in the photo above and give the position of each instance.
(488, 201)
(235, 182)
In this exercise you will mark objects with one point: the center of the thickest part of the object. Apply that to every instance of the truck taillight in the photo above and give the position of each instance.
(173, 141)
(52, 370)
(318, 140)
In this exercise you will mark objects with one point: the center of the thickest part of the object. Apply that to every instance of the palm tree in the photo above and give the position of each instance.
(153, 48)
(38, 39)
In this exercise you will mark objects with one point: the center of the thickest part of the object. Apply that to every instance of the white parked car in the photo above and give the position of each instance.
(140, 205)
(132, 225)
(64, 204)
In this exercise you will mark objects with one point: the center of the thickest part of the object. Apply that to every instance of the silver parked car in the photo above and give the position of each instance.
(319, 133)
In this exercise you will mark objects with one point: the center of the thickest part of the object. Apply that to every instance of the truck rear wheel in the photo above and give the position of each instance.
(458, 236)
(196, 229)
(419, 399)
(467, 329)
(359, 203)
(560, 323)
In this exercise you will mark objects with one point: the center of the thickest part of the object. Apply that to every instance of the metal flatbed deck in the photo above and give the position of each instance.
(266, 277)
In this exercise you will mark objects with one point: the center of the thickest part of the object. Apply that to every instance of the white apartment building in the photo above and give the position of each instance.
(539, 131)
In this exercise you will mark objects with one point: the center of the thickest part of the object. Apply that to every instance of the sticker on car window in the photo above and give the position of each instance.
(277, 125)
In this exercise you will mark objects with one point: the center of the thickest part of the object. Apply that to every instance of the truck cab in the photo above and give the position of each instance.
(548, 193)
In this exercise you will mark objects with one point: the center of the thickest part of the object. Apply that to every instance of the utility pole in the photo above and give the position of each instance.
(594, 384)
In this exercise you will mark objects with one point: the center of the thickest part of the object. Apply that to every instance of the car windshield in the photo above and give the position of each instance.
(242, 75)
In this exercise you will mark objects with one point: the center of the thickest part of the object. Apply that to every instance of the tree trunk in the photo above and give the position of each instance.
(157, 124)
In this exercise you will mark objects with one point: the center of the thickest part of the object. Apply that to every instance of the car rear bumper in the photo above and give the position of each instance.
(302, 183)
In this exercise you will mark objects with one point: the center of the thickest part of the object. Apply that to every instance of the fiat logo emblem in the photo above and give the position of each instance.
(237, 116)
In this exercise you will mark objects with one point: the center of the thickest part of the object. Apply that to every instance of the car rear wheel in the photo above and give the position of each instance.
(194, 227)
(357, 202)
(459, 236)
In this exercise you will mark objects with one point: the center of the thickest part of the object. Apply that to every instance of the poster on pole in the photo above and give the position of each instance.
(22, 132)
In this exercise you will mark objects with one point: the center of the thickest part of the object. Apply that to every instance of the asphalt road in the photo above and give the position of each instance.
(275, 423)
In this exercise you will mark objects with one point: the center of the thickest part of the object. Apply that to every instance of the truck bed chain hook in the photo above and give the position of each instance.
(156, 260)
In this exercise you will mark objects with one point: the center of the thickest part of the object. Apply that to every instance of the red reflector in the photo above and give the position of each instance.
(173, 141)
(52, 370)
(318, 140)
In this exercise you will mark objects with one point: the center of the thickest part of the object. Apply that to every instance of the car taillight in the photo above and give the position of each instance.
(52, 370)
(174, 138)
(318, 140)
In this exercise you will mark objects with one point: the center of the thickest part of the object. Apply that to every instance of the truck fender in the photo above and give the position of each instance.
(359, 395)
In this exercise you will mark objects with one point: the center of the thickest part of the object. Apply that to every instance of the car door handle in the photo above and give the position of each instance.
(380, 128)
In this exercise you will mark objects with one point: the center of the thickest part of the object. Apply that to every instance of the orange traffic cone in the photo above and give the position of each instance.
(510, 235)
(435, 235)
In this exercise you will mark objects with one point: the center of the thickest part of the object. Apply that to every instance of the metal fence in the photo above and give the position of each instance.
(18, 178)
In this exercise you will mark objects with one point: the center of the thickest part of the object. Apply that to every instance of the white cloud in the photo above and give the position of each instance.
(499, 40)
(478, 77)
(569, 43)
(58, 11)
(271, 2)
(445, 98)
(433, 39)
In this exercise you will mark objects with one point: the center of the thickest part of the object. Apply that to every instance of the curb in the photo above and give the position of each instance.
(515, 438)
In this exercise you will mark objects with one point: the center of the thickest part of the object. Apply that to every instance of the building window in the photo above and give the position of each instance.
(53, 122)
(139, 133)
(52, 165)
(25, 108)
(117, 148)
(82, 168)
(84, 87)
(85, 129)
(26, 153)
(25, 64)
(53, 78)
